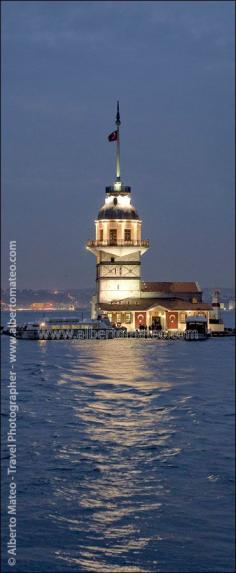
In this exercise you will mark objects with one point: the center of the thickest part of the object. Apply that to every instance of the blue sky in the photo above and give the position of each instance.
(171, 65)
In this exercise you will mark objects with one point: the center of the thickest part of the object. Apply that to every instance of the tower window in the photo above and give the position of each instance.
(127, 235)
(113, 236)
(101, 234)
(112, 259)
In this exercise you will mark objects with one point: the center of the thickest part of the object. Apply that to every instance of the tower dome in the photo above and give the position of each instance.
(117, 213)
(118, 206)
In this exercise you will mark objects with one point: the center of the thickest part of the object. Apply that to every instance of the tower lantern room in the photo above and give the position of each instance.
(118, 243)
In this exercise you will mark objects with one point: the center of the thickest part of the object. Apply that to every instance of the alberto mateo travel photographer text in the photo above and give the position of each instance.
(13, 408)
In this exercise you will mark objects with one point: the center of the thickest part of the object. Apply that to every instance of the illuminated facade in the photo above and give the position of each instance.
(118, 247)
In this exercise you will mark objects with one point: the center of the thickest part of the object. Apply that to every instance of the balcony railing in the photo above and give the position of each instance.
(123, 189)
(118, 243)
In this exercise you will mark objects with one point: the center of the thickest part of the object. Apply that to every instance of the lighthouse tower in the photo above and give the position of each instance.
(216, 304)
(118, 245)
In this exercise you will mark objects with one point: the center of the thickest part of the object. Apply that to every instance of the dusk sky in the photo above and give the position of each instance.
(171, 65)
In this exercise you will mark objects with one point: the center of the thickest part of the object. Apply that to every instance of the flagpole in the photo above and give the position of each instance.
(118, 144)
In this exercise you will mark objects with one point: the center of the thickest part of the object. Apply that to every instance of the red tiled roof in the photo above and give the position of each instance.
(129, 304)
(175, 287)
(147, 303)
(179, 304)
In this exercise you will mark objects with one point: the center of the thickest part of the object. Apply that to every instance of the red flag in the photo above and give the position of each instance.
(112, 136)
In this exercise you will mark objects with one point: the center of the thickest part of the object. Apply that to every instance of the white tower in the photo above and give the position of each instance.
(118, 245)
(216, 304)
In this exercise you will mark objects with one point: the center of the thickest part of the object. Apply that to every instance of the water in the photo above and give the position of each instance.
(125, 456)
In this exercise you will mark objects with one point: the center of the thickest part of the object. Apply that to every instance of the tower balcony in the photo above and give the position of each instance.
(118, 189)
(118, 247)
(117, 243)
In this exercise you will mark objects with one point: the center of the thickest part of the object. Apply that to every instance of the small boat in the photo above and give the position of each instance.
(63, 329)
(196, 328)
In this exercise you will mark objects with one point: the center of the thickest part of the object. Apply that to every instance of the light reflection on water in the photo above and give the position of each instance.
(125, 458)
(126, 435)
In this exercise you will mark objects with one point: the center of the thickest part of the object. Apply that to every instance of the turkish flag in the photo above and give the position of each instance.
(112, 136)
(172, 320)
(140, 319)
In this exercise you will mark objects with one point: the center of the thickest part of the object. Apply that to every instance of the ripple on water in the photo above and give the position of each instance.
(128, 476)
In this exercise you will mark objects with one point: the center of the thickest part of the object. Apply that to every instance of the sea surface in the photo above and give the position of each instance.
(125, 456)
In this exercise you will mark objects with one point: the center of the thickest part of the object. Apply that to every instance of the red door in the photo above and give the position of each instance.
(172, 319)
(140, 319)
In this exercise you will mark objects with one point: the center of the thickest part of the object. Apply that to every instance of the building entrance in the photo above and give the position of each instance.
(156, 323)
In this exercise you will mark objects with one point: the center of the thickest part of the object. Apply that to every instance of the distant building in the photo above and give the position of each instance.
(118, 247)
(42, 306)
(52, 306)
(4, 306)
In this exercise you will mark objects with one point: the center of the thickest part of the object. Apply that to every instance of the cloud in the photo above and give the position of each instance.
(127, 27)
(48, 25)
